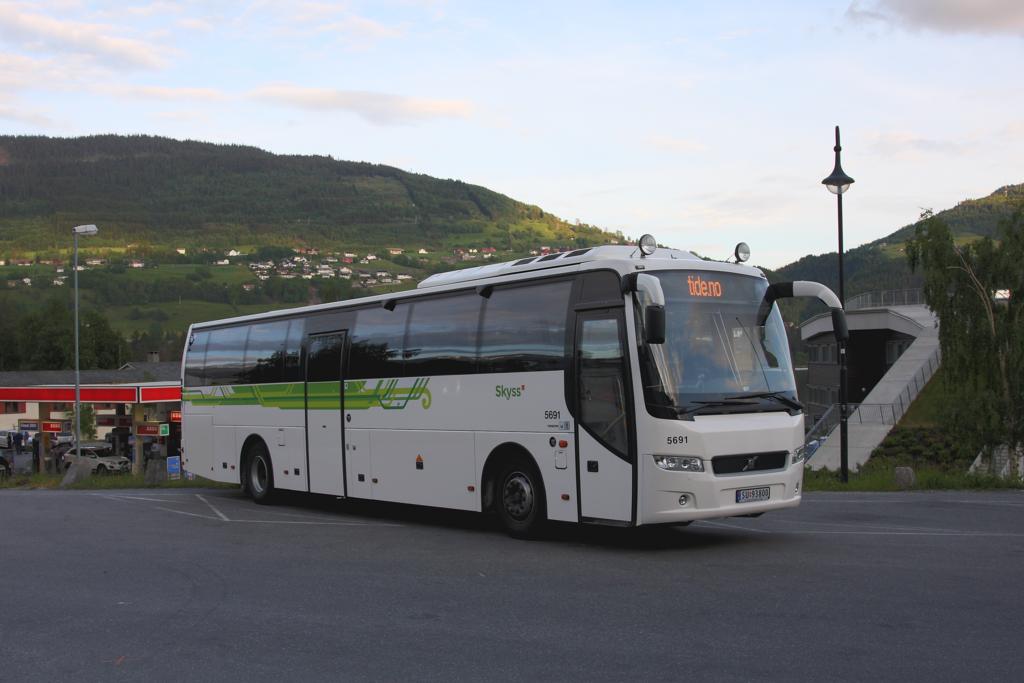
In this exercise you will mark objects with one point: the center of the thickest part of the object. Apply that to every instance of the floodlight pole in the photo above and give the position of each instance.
(78, 383)
(76, 231)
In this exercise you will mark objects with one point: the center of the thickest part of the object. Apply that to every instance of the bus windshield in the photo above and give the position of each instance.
(716, 358)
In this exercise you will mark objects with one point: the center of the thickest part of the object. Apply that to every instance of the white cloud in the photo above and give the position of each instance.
(195, 24)
(182, 116)
(39, 32)
(353, 26)
(152, 9)
(328, 18)
(20, 72)
(12, 111)
(378, 108)
(909, 144)
(156, 92)
(947, 16)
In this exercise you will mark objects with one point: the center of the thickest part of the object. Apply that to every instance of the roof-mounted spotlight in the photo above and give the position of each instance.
(742, 252)
(647, 245)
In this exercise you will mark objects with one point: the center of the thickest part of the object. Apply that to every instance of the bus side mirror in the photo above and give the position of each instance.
(653, 301)
(654, 324)
(782, 290)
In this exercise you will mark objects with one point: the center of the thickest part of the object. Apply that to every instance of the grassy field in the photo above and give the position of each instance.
(179, 314)
(922, 441)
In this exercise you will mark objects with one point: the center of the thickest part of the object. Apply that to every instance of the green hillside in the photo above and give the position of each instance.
(882, 264)
(154, 192)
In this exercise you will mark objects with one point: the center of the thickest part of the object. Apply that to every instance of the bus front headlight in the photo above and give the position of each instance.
(679, 463)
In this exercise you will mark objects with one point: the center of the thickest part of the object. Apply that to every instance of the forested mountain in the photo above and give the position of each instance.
(163, 192)
(882, 264)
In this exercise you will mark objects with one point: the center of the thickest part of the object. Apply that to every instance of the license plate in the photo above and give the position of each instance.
(751, 495)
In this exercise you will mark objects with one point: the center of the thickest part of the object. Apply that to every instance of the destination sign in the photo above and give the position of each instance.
(701, 287)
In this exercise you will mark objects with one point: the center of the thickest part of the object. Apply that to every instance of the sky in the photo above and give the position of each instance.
(703, 123)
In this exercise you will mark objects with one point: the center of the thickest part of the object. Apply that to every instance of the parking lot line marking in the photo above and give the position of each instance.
(986, 534)
(734, 526)
(117, 498)
(289, 521)
(121, 496)
(190, 514)
(903, 501)
(882, 527)
(210, 505)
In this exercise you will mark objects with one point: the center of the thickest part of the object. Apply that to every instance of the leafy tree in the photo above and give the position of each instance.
(976, 290)
(88, 422)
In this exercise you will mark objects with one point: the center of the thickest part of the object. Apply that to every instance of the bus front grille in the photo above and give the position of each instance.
(749, 462)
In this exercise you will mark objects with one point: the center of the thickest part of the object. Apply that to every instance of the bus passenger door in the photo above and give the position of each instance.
(325, 455)
(605, 440)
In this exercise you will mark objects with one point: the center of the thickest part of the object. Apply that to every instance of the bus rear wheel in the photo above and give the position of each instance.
(519, 498)
(259, 474)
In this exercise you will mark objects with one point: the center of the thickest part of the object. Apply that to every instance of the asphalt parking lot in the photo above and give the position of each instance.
(205, 585)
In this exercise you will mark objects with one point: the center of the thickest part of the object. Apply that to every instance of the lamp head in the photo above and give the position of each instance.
(85, 230)
(648, 245)
(838, 182)
(742, 252)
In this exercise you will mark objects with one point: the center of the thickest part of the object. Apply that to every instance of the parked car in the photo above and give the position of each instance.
(100, 458)
(62, 437)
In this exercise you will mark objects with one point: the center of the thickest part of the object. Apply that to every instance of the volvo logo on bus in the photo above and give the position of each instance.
(751, 464)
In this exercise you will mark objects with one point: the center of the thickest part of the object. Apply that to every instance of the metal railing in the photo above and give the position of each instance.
(887, 297)
(876, 413)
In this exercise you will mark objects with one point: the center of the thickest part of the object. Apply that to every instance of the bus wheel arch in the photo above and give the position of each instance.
(514, 488)
(257, 470)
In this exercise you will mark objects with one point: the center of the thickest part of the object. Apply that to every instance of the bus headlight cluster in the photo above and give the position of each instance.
(679, 463)
(799, 454)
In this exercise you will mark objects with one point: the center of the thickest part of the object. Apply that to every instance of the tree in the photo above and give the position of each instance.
(88, 422)
(977, 291)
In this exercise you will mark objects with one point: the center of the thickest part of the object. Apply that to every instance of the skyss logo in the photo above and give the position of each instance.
(508, 393)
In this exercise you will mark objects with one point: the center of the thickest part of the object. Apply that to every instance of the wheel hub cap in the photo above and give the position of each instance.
(517, 496)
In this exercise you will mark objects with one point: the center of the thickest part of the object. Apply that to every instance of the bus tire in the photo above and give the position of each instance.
(519, 498)
(259, 473)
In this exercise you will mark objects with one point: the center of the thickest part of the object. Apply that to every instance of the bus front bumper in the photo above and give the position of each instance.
(678, 497)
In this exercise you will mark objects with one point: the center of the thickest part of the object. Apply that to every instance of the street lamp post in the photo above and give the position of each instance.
(837, 184)
(76, 231)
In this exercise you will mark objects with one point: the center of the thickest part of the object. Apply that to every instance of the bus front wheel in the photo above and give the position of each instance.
(519, 498)
(259, 475)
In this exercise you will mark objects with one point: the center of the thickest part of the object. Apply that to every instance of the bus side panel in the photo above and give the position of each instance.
(225, 455)
(436, 468)
(557, 466)
(607, 488)
(287, 446)
(197, 443)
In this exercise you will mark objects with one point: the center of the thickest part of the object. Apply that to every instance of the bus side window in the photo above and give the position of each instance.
(264, 353)
(377, 343)
(442, 335)
(292, 371)
(600, 285)
(195, 359)
(224, 355)
(524, 328)
(602, 393)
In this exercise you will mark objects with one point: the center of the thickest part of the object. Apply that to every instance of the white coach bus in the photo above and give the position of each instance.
(622, 385)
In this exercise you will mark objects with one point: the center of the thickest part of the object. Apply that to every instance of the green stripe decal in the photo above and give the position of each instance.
(388, 394)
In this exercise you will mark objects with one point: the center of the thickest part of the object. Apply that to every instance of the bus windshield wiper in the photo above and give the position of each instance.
(774, 395)
(696, 406)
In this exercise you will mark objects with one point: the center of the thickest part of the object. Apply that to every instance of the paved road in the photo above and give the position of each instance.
(205, 585)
